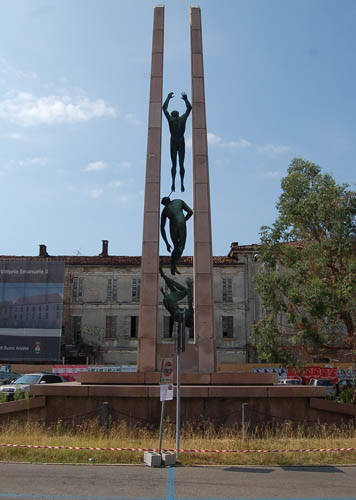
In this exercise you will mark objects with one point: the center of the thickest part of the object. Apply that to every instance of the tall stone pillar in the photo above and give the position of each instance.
(147, 327)
(203, 259)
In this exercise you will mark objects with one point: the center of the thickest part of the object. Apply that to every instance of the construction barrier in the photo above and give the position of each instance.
(89, 448)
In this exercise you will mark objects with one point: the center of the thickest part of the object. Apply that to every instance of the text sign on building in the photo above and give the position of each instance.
(310, 372)
(70, 372)
(31, 305)
(166, 371)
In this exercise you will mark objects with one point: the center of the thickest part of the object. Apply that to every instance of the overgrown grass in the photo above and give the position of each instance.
(16, 396)
(120, 435)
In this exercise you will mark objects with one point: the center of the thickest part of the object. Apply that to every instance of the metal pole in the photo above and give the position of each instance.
(104, 416)
(179, 352)
(161, 427)
(244, 419)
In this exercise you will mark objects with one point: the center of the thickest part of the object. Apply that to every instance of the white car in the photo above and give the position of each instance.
(22, 384)
(324, 382)
(291, 381)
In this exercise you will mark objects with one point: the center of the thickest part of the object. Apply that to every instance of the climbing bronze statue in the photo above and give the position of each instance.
(177, 129)
(174, 211)
(178, 292)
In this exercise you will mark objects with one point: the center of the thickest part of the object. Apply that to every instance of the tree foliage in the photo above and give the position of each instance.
(307, 277)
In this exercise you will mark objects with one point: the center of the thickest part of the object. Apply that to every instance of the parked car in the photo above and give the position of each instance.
(291, 381)
(324, 382)
(22, 384)
(8, 377)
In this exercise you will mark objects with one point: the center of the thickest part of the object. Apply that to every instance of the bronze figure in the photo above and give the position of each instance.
(178, 292)
(177, 129)
(174, 211)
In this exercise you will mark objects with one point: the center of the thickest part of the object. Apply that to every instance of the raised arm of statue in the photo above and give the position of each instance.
(188, 105)
(165, 106)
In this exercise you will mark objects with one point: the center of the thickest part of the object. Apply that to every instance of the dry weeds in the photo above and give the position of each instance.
(120, 435)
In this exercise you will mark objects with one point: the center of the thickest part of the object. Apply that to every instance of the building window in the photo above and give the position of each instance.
(111, 295)
(166, 333)
(134, 327)
(77, 288)
(136, 282)
(227, 289)
(228, 327)
(110, 328)
(77, 329)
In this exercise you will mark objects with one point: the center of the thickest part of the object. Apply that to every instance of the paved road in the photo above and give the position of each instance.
(92, 482)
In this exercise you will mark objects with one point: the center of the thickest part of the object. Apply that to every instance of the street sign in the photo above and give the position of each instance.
(166, 392)
(167, 371)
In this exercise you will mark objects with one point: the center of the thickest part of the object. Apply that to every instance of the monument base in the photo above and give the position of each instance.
(220, 405)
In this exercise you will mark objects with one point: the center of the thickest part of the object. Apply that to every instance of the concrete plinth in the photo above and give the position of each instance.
(152, 459)
(168, 458)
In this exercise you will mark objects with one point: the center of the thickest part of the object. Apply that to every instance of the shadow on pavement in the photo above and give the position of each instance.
(257, 470)
(313, 468)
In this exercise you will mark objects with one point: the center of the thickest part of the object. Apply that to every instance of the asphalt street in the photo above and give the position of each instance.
(94, 482)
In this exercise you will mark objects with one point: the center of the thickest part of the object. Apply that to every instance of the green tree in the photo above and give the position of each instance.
(307, 278)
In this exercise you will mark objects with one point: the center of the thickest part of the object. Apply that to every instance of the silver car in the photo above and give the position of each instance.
(22, 384)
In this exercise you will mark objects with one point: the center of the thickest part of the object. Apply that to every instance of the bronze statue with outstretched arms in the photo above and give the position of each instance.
(177, 128)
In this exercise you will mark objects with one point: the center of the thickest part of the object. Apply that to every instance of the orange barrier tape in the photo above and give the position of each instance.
(89, 448)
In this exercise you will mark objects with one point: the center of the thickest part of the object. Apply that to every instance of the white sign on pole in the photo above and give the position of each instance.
(166, 392)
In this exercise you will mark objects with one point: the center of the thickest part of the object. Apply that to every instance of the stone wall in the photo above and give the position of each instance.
(221, 405)
(24, 411)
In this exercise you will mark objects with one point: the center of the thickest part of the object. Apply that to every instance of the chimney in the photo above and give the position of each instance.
(43, 251)
(233, 254)
(104, 252)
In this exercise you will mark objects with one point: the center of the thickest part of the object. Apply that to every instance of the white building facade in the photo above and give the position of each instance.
(101, 306)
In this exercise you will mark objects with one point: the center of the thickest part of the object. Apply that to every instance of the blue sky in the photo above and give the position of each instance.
(74, 88)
